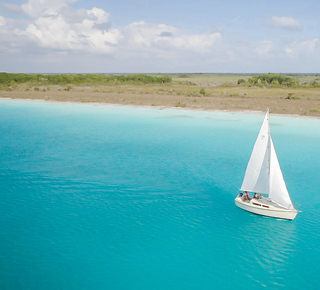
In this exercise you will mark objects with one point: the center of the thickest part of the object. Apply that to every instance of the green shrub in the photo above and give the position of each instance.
(315, 84)
(88, 79)
(291, 97)
(272, 79)
(241, 81)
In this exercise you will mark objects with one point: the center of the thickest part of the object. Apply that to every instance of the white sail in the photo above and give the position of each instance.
(263, 174)
(278, 189)
(256, 178)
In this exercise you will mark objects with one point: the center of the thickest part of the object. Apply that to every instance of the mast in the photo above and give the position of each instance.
(269, 150)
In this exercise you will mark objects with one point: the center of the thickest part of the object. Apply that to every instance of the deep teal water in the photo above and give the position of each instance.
(108, 197)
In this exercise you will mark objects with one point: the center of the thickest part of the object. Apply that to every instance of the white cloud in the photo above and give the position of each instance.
(289, 52)
(12, 8)
(264, 47)
(56, 34)
(54, 25)
(308, 48)
(312, 45)
(200, 43)
(2, 22)
(38, 8)
(285, 22)
(142, 36)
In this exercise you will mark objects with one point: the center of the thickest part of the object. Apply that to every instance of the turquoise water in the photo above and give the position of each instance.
(110, 197)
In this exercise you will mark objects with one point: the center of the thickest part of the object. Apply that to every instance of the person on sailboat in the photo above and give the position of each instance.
(256, 195)
(246, 195)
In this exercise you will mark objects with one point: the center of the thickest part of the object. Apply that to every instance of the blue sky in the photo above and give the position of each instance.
(151, 36)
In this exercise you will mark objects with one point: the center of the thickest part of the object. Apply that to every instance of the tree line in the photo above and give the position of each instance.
(274, 80)
(78, 79)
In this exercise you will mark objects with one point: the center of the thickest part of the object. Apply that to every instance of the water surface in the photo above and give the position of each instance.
(111, 197)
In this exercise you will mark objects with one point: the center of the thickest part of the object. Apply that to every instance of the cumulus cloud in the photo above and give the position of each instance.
(144, 36)
(53, 25)
(38, 8)
(285, 22)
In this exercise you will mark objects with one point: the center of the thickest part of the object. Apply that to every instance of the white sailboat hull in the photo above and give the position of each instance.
(266, 207)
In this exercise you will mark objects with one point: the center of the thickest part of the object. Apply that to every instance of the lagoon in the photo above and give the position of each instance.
(116, 197)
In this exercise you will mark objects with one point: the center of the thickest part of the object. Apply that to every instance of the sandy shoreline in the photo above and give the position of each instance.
(162, 107)
(280, 106)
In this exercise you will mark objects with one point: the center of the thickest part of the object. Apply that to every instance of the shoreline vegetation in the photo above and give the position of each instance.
(295, 94)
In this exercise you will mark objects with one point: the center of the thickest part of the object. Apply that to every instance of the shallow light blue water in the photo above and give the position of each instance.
(107, 197)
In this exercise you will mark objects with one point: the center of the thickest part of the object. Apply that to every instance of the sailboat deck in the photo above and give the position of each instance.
(269, 202)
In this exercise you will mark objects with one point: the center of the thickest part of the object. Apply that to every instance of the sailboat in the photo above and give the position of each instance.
(264, 177)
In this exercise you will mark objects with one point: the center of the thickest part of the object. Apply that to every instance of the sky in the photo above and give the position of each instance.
(160, 36)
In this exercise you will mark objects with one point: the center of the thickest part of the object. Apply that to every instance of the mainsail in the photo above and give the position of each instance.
(263, 174)
(256, 178)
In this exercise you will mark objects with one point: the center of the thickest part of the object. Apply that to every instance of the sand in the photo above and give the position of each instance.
(305, 102)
